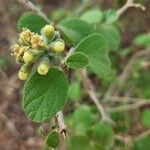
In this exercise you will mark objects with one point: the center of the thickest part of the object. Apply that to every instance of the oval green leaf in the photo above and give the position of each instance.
(52, 139)
(77, 60)
(75, 29)
(111, 34)
(32, 21)
(95, 47)
(92, 16)
(45, 95)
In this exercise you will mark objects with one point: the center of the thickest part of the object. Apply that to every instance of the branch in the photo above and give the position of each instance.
(125, 74)
(89, 88)
(10, 125)
(128, 107)
(124, 99)
(29, 5)
(59, 116)
(129, 4)
(129, 138)
(60, 123)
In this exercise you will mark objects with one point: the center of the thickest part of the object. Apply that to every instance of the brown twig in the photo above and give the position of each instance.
(116, 86)
(29, 5)
(88, 85)
(9, 125)
(124, 99)
(128, 107)
(129, 4)
(129, 138)
(61, 124)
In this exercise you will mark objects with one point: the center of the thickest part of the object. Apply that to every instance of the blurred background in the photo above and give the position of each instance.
(81, 116)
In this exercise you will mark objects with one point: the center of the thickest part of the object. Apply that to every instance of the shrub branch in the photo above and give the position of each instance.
(129, 4)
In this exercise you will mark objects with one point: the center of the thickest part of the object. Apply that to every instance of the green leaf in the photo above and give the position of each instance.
(142, 144)
(79, 142)
(75, 29)
(104, 134)
(145, 117)
(142, 39)
(95, 47)
(86, 118)
(111, 34)
(110, 16)
(45, 95)
(31, 21)
(74, 91)
(52, 139)
(92, 16)
(77, 60)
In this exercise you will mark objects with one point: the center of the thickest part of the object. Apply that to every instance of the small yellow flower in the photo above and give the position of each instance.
(15, 48)
(37, 41)
(28, 56)
(31, 55)
(23, 75)
(58, 47)
(24, 71)
(25, 35)
(43, 67)
(18, 51)
(48, 30)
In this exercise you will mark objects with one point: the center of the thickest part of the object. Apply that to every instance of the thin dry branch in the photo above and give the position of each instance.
(9, 125)
(115, 86)
(89, 88)
(119, 99)
(129, 4)
(29, 5)
(130, 138)
(61, 124)
(128, 107)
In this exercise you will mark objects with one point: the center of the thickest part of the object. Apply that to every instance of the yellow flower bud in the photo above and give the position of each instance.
(43, 67)
(48, 30)
(16, 48)
(25, 36)
(23, 75)
(18, 51)
(28, 56)
(37, 41)
(58, 47)
(24, 71)
(31, 55)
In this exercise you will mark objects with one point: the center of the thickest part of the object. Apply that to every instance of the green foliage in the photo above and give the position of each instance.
(77, 60)
(81, 123)
(142, 144)
(110, 16)
(74, 91)
(103, 134)
(142, 40)
(92, 16)
(145, 117)
(52, 139)
(58, 14)
(111, 34)
(79, 142)
(31, 21)
(95, 47)
(75, 29)
(45, 95)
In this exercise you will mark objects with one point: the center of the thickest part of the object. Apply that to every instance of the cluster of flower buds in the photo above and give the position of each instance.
(37, 51)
